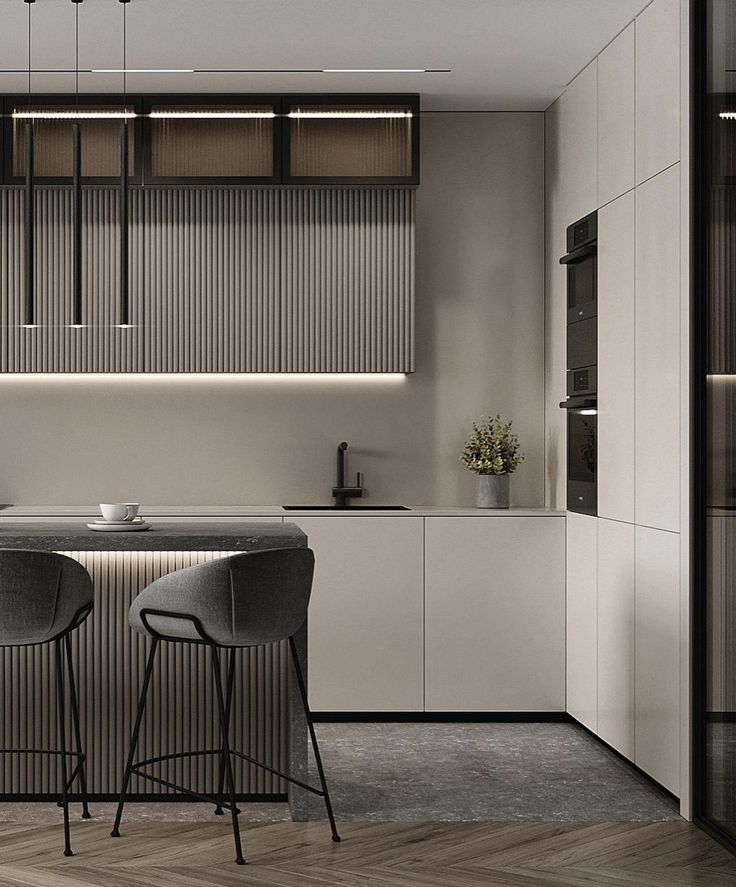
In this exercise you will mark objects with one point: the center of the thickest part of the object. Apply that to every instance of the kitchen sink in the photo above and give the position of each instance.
(345, 508)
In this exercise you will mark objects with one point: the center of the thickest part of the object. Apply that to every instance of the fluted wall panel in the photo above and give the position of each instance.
(109, 661)
(221, 281)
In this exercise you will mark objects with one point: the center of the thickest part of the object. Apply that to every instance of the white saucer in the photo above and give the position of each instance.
(119, 527)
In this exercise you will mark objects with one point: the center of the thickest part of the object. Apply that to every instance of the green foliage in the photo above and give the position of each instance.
(492, 448)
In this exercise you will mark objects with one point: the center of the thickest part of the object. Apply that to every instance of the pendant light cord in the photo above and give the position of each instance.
(30, 3)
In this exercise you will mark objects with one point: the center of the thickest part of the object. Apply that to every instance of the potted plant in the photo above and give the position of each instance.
(492, 452)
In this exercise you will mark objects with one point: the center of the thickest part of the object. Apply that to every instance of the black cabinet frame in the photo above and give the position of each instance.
(141, 126)
(355, 99)
(175, 101)
(86, 100)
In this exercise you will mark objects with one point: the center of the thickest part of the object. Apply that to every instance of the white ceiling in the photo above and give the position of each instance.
(504, 54)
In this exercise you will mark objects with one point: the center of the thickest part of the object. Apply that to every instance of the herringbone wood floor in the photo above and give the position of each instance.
(284, 854)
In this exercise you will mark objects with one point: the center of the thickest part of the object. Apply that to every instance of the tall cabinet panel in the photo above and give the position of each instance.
(616, 608)
(495, 614)
(658, 351)
(366, 613)
(616, 359)
(657, 661)
(657, 88)
(616, 117)
(582, 619)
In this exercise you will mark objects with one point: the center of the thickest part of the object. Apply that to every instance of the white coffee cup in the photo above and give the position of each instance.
(119, 511)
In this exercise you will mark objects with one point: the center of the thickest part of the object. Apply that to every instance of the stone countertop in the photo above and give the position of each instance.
(183, 535)
(14, 513)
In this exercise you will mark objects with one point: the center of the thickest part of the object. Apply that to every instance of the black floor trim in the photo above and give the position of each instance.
(441, 717)
(629, 763)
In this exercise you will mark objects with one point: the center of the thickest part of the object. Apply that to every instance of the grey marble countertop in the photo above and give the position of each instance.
(182, 535)
(15, 513)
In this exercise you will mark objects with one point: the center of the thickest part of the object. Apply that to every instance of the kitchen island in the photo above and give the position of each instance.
(109, 658)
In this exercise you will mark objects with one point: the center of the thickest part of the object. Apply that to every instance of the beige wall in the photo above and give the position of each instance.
(480, 348)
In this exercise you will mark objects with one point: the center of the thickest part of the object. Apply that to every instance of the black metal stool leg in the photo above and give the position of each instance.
(62, 741)
(225, 745)
(313, 737)
(228, 710)
(115, 833)
(77, 731)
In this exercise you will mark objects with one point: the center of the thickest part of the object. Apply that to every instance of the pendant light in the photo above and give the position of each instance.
(30, 314)
(76, 188)
(123, 202)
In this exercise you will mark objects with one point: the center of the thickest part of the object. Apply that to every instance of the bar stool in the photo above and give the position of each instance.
(44, 596)
(244, 600)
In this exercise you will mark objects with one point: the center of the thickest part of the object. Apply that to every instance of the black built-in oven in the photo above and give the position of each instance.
(582, 364)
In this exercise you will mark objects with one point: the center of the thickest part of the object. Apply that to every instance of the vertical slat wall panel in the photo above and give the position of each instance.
(109, 660)
(221, 281)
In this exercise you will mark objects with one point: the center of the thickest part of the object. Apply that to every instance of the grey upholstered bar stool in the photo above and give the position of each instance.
(244, 600)
(43, 597)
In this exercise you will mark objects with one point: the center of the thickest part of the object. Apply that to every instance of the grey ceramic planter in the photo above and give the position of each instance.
(493, 491)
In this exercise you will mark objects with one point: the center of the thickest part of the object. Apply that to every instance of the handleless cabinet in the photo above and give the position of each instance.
(657, 352)
(616, 117)
(615, 629)
(365, 614)
(495, 614)
(657, 659)
(616, 351)
(657, 88)
(582, 619)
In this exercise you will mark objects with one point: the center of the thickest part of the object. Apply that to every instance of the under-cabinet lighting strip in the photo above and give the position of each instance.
(348, 115)
(73, 115)
(207, 115)
(210, 115)
(727, 115)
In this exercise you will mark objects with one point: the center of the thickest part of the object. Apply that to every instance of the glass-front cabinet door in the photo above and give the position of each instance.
(51, 119)
(714, 384)
(209, 140)
(367, 139)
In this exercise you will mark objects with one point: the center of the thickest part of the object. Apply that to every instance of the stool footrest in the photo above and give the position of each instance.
(179, 788)
(136, 768)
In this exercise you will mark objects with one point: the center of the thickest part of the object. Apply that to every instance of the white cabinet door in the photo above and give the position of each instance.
(616, 319)
(577, 153)
(657, 88)
(616, 117)
(582, 609)
(495, 614)
(366, 613)
(616, 578)
(657, 658)
(658, 351)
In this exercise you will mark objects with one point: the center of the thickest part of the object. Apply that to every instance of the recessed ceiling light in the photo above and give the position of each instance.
(141, 71)
(385, 70)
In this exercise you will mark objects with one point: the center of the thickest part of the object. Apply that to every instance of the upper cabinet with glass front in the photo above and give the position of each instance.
(351, 139)
(211, 140)
(102, 120)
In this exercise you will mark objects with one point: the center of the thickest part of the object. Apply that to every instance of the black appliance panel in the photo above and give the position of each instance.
(582, 343)
(582, 455)
(583, 380)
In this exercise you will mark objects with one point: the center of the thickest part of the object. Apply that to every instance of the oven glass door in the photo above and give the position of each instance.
(582, 285)
(582, 432)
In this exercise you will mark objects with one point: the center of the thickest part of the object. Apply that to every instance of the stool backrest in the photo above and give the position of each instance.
(245, 599)
(41, 592)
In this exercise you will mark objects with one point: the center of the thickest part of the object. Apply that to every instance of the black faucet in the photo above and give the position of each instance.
(340, 491)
